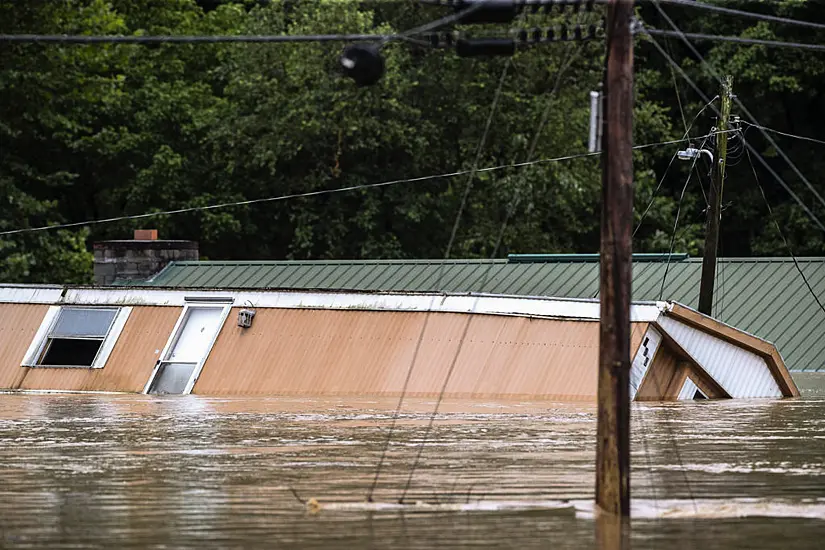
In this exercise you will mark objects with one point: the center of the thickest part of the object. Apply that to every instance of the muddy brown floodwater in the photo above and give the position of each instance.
(135, 471)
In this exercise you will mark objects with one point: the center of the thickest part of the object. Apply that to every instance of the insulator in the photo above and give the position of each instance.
(485, 46)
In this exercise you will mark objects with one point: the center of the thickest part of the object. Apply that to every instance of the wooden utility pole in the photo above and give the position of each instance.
(715, 199)
(613, 437)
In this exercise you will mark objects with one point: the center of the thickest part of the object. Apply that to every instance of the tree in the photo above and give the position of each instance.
(98, 131)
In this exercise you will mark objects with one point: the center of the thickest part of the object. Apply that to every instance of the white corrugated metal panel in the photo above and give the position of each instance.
(740, 372)
(30, 294)
(644, 357)
(688, 390)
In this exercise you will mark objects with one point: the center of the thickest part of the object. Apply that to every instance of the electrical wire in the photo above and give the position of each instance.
(479, 150)
(468, 187)
(761, 159)
(471, 175)
(741, 106)
(702, 187)
(678, 91)
(193, 39)
(742, 13)
(315, 193)
(511, 208)
(736, 39)
(786, 134)
(782, 236)
(719, 293)
(215, 39)
(676, 221)
(384, 38)
(669, 164)
(398, 406)
(513, 203)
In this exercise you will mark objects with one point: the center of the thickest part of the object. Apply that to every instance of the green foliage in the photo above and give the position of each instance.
(90, 132)
(780, 87)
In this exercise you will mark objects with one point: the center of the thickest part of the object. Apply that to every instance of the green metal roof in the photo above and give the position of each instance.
(763, 296)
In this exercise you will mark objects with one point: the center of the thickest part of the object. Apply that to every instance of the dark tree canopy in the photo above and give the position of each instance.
(98, 131)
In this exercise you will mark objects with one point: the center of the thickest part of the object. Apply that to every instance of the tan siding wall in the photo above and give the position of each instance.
(667, 374)
(322, 352)
(661, 377)
(18, 325)
(128, 367)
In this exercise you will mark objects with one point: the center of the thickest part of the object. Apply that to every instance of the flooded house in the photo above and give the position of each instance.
(159, 321)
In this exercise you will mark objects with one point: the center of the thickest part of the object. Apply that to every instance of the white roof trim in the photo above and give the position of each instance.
(490, 304)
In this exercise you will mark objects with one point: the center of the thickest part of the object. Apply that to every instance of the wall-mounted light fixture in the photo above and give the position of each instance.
(245, 318)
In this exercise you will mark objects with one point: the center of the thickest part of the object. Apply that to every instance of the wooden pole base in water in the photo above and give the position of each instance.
(613, 439)
(612, 532)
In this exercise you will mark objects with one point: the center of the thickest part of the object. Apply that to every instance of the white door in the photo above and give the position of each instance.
(183, 358)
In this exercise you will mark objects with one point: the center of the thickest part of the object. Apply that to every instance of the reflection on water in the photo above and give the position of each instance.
(142, 471)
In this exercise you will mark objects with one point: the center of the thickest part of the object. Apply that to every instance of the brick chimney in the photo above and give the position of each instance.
(140, 258)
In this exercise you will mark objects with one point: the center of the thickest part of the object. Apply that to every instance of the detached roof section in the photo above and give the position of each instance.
(763, 296)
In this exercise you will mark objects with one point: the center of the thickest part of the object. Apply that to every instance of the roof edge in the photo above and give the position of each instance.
(763, 348)
(492, 304)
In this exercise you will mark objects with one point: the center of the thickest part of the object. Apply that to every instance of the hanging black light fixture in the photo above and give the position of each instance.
(363, 63)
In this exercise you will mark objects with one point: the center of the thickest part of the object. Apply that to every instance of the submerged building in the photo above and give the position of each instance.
(486, 329)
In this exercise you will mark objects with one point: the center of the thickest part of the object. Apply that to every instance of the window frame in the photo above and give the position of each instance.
(39, 347)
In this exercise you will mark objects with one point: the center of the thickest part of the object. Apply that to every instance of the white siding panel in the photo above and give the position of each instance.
(740, 372)
(644, 357)
(688, 390)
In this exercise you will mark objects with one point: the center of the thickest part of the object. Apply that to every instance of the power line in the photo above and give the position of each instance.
(216, 39)
(526, 37)
(511, 208)
(782, 236)
(764, 163)
(383, 38)
(737, 39)
(742, 13)
(676, 220)
(669, 164)
(741, 106)
(814, 140)
(468, 187)
(316, 193)
(444, 21)
(193, 39)
(479, 150)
